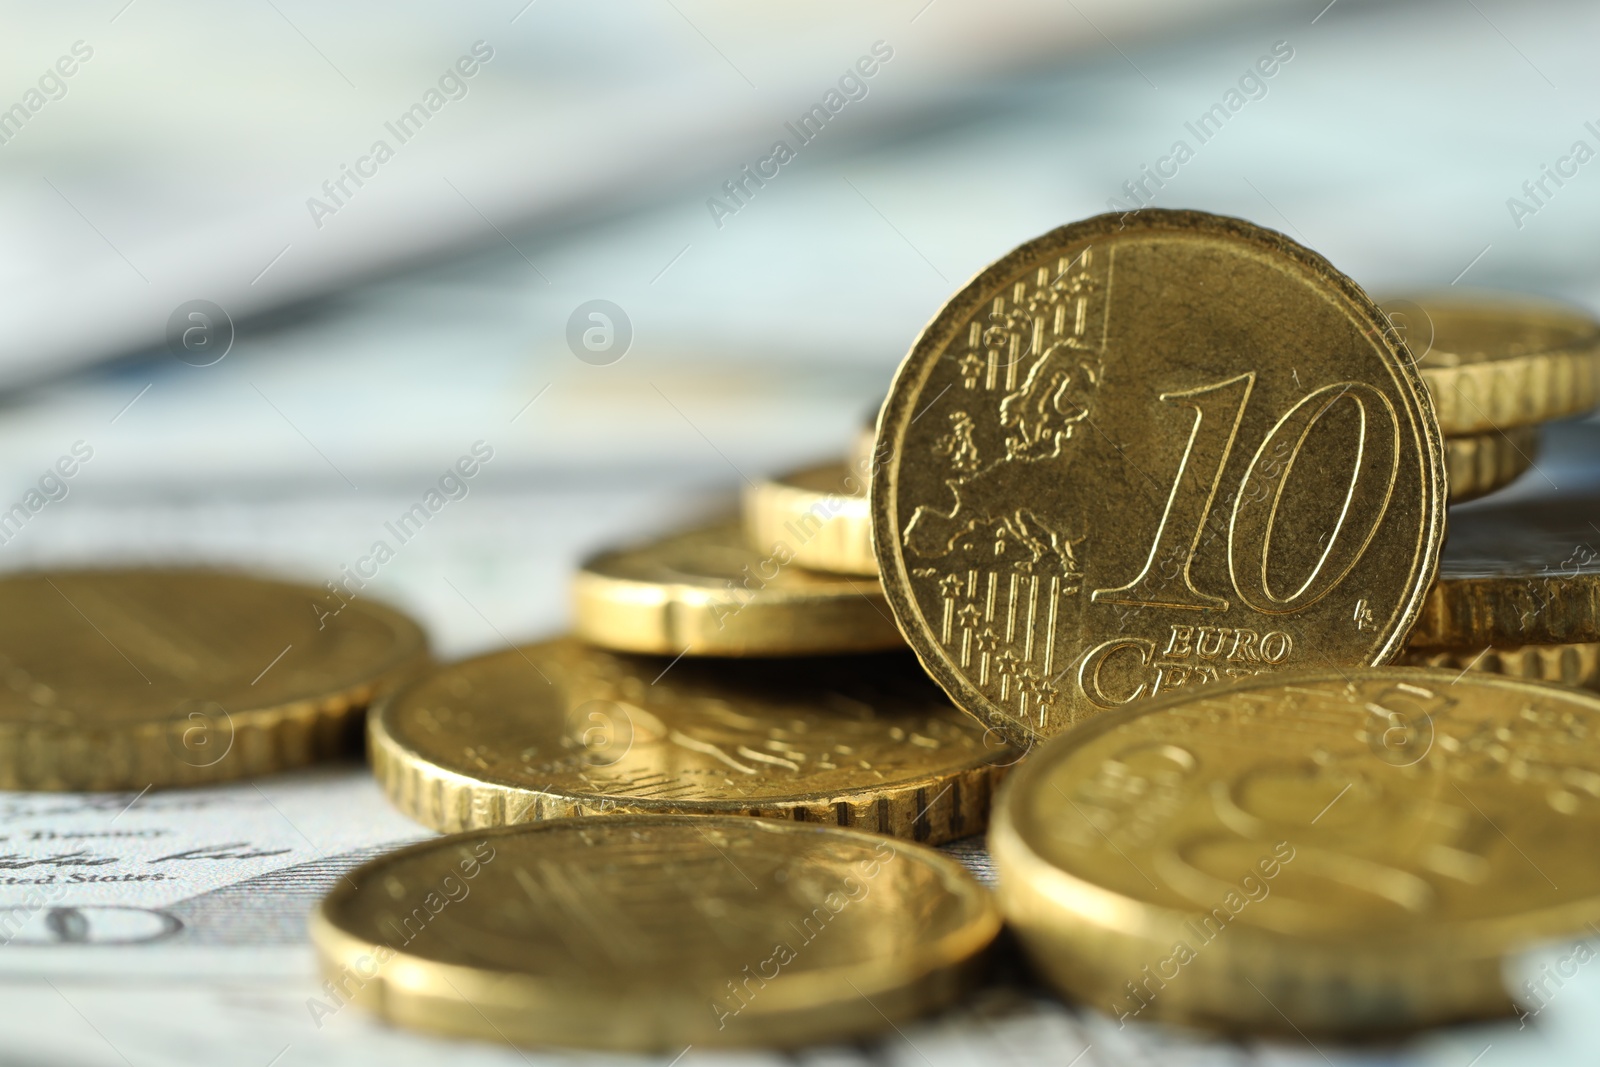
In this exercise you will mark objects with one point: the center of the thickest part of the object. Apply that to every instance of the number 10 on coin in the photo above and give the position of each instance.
(1150, 452)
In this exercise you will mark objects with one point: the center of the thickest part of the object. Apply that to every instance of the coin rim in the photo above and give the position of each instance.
(1513, 376)
(936, 336)
(1005, 820)
(1450, 971)
(773, 504)
(637, 615)
(451, 800)
(941, 967)
(1488, 461)
(268, 738)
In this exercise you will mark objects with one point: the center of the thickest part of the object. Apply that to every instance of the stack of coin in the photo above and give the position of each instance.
(1514, 584)
(1153, 454)
(683, 788)
(1141, 457)
(1497, 366)
(1162, 492)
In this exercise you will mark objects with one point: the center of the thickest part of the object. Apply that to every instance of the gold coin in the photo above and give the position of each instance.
(707, 592)
(650, 933)
(1332, 851)
(1139, 454)
(1476, 464)
(1571, 664)
(126, 679)
(560, 728)
(818, 516)
(1481, 463)
(1526, 573)
(1497, 360)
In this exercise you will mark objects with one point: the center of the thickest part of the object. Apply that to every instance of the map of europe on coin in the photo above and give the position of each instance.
(1149, 451)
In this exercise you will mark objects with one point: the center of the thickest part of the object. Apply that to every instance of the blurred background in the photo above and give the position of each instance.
(269, 268)
(377, 311)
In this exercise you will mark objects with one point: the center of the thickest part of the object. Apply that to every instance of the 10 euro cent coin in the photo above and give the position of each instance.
(1151, 451)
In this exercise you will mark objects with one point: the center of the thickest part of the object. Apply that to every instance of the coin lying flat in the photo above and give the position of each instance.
(561, 728)
(650, 933)
(1143, 453)
(1499, 360)
(1479, 464)
(1523, 573)
(1350, 851)
(818, 515)
(707, 592)
(1575, 665)
(126, 679)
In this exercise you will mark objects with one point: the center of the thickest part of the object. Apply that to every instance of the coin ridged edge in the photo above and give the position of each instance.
(90, 757)
(1504, 610)
(1499, 394)
(897, 411)
(929, 810)
(1575, 664)
(1479, 464)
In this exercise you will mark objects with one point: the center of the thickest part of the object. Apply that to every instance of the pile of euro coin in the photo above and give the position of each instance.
(1147, 567)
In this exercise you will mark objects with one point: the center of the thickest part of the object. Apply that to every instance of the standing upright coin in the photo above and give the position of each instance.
(1350, 851)
(654, 932)
(127, 679)
(1152, 451)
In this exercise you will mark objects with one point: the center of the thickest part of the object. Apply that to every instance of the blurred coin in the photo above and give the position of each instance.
(651, 933)
(1570, 664)
(1152, 450)
(1479, 464)
(1345, 851)
(126, 679)
(560, 728)
(1494, 361)
(817, 515)
(1521, 573)
(707, 592)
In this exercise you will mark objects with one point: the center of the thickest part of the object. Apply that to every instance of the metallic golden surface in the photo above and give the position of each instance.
(1479, 464)
(817, 515)
(561, 728)
(707, 592)
(1524, 573)
(1494, 361)
(1127, 458)
(124, 679)
(1573, 664)
(1352, 851)
(1476, 464)
(650, 933)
